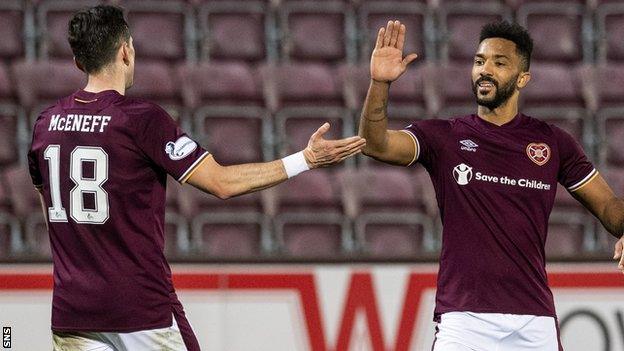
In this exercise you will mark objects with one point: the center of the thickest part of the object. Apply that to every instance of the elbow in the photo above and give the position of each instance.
(223, 195)
(222, 189)
(371, 151)
(223, 192)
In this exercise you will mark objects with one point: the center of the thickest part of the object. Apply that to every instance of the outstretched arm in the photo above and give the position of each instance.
(229, 181)
(387, 65)
(600, 200)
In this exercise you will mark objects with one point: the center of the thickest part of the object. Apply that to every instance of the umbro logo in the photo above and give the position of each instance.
(468, 145)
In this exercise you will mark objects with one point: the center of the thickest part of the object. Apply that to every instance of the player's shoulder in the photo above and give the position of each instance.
(431, 124)
(545, 127)
(49, 110)
(138, 107)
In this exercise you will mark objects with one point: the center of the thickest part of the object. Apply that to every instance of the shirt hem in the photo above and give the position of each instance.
(438, 313)
(416, 146)
(112, 330)
(192, 168)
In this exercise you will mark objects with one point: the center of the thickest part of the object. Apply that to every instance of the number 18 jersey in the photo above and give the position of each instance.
(101, 161)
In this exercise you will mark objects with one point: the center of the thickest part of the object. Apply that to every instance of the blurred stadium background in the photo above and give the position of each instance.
(251, 80)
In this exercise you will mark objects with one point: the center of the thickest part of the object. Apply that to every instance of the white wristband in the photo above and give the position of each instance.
(295, 164)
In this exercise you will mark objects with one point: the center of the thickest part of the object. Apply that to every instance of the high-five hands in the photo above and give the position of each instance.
(387, 62)
(322, 153)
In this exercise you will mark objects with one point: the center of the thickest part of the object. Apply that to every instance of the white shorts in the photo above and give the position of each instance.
(163, 339)
(468, 331)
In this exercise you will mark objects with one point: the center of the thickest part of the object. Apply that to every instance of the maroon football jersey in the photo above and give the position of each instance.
(495, 187)
(102, 161)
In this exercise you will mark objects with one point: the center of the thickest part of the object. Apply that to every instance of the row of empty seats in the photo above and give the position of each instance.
(368, 212)
(271, 111)
(331, 30)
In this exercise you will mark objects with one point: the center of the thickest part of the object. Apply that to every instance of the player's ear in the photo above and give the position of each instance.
(523, 79)
(79, 65)
(125, 53)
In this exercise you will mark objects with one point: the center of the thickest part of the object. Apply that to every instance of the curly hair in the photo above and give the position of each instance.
(512, 32)
(95, 34)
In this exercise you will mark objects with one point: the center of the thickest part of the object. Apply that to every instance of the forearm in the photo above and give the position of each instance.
(612, 217)
(250, 177)
(374, 120)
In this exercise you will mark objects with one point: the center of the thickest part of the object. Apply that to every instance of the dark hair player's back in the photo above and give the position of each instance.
(102, 160)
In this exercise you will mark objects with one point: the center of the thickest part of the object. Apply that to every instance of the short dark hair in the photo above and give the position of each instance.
(95, 34)
(513, 32)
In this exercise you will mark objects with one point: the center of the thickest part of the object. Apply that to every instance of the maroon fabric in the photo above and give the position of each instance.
(185, 329)
(113, 276)
(492, 258)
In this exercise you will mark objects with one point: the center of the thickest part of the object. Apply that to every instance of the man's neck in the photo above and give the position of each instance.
(105, 80)
(501, 114)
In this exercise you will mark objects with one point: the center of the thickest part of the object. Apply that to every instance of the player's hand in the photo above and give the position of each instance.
(387, 62)
(619, 246)
(322, 153)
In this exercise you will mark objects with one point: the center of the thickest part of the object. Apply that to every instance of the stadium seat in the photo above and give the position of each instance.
(37, 239)
(234, 235)
(409, 95)
(33, 87)
(610, 30)
(228, 119)
(26, 207)
(559, 30)
(162, 30)
(392, 197)
(12, 138)
(384, 189)
(614, 176)
(453, 92)
(159, 28)
(17, 32)
(235, 134)
(300, 84)
(156, 82)
(24, 198)
(177, 236)
(11, 243)
(303, 96)
(315, 235)
(392, 235)
(52, 22)
(611, 137)
(605, 84)
(417, 18)
(554, 85)
(314, 191)
(295, 125)
(317, 31)
(220, 83)
(460, 25)
(237, 30)
(567, 236)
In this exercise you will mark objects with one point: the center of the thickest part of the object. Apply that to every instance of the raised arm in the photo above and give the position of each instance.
(229, 181)
(387, 65)
(600, 200)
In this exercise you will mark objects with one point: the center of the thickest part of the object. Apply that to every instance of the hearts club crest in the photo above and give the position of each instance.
(538, 153)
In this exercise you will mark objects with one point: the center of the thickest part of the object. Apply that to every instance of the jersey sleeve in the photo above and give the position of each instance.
(575, 170)
(421, 133)
(33, 168)
(166, 145)
(33, 163)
